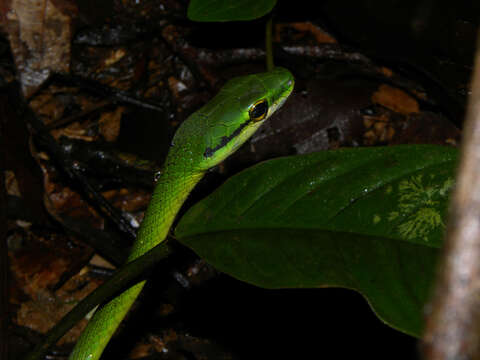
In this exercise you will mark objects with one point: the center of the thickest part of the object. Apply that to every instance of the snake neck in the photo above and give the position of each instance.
(171, 191)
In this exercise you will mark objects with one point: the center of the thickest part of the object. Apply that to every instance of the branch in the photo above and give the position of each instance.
(453, 322)
(122, 279)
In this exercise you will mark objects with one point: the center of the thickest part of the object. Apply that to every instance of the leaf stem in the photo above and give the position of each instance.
(269, 43)
(122, 279)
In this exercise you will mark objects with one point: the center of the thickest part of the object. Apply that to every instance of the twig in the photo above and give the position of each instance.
(70, 119)
(122, 278)
(453, 322)
(108, 92)
(4, 297)
(68, 165)
(173, 38)
(104, 242)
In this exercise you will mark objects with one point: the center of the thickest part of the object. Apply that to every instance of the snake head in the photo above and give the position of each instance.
(220, 127)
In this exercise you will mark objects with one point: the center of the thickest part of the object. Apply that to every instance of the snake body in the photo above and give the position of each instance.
(205, 139)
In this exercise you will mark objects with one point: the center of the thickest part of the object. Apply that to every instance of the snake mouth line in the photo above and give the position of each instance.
(209, 152)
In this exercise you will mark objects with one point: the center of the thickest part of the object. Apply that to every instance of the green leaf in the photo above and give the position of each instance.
(368, 219)
(228, 10)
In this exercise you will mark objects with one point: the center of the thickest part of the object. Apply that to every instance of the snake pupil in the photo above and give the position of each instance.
(259, 110)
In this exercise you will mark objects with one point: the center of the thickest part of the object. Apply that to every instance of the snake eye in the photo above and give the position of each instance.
(259, 110)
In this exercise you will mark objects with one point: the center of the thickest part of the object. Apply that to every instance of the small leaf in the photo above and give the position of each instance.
(228, 10)
(368, 219)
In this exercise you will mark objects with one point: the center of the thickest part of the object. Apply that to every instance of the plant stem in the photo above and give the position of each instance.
(122, 279)
(453, 321)
(269, 44)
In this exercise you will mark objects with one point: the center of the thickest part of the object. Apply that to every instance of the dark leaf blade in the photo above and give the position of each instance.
(380, 269)
(228, 10)
(368, 219)
(353, 190)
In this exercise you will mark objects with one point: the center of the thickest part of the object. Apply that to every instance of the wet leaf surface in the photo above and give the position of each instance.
(39, 32)
(45, 287)
(358, 82)
(367, 219)
(214, 10)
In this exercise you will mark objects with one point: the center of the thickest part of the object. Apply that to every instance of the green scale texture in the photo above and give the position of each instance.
(208, 128)
(169, 195)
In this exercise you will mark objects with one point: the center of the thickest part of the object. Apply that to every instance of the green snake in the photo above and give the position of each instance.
(206, 138)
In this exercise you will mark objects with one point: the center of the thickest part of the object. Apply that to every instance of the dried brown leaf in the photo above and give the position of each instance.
(39, 32)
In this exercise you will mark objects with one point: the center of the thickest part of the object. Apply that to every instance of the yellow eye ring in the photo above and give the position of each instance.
(259, 110)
